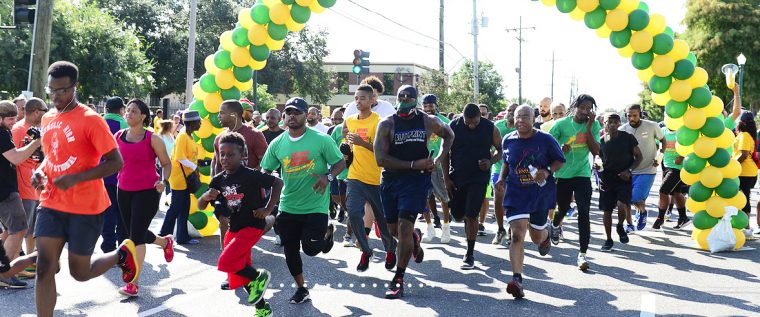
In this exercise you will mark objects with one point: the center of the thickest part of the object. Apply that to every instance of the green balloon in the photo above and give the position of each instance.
(203, 112)
(659, 84)
(242, 74)
(663, 43)
(198, 219)
(326, 3)
(196, 105)
(684, 69)
(728, 188)
(208, 143)
(686, 136)
(277, 31)
(609, 4)
(300, 14)
(638, 20)
(740, 221)
(595, 19)
(669, 31)
(208, 83)
(720, 158)
(288, 2)
(260, 13)
(642, 61)
(713, 127)
(214, 119)
(259, 52)
(692, 58)
(643, 6)
(240, 37)
(222, 59)
(566, 6)
(620, 39)
(700, 97)
(205, 170)
(231, 94)
(699, 192)
(204, 187)
(195, 137)
(702, 220)
(693, 163)
(676, 109)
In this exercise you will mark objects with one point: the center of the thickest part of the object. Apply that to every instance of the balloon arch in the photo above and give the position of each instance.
(662, 61)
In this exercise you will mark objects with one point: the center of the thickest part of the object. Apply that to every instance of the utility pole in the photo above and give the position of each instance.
(440, 38)
(43, 26)
(191, 52)
(552, 94)
(520, 40)
(475, 74)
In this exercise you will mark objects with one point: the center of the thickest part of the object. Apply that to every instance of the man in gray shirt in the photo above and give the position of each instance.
(647, 133)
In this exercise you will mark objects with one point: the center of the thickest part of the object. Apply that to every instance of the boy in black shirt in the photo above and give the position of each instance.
(242, 190)
(619, 153)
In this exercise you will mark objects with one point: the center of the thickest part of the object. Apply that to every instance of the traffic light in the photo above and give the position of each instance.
(361, 62)
(22, 11)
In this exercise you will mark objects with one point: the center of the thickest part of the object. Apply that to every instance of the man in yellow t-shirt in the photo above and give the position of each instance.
(363, 181)
(744, 150)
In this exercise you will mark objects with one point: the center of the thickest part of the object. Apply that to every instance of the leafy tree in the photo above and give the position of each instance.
(490, 84)
(436, 82)
(264, 100)
(655, 112)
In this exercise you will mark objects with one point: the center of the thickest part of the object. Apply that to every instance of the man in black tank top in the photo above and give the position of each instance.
(469, 167)
(401, 149)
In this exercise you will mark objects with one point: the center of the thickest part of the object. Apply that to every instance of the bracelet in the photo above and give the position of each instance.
(411, 165)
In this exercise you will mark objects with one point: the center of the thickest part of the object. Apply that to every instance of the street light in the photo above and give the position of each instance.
(741, 59)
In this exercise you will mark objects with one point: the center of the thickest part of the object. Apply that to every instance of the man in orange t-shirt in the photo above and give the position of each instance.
(74, 138)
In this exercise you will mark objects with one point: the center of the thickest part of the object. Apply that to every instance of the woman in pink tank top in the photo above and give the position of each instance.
(139, 186)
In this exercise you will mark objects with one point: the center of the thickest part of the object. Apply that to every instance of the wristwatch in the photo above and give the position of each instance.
(330, 177)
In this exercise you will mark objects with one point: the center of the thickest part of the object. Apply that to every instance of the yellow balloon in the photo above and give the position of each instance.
(617, 20)
(740, 239)
(603, 31)
(642, 42)
(732, 170)
(656, 24)
(710, 176)
(704, 147)
(694, 118)
(702, 239)
(279, 13)
(688, 178)
(673, 123)
(661, 99)
(645, 75)
(243, 86)
(663, 65)
(256, 65)
(726, 139)
(258, 34)
(626, 51)
(680, 50)
(716, 206)
(194, 201)
(198, 93)
(212, 103)
(225, 79)
(205, 179)
(577, 14)
(680, 90)
(226, 40)
(695, 234)
(628, 5)
(202, 153)
(211, 68)
(240, 56)
(304, 3)
(587, 5)
(210, 229)
(217, 131)
(244, 17)
(699, 78)
(316, 8)
(738, 201)
(205, 130)
(694, 205)
(549, 3)
(714, 108)
(275, 45)
(269, 3)
(294, 26)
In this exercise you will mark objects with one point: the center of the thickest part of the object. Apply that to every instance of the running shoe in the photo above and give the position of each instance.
(364, 261)
(682, 222)
(25, 275)
(515, 288)
(277, 240)
(509, 237)
(499, 236)
(417, 252)
(748, 234)
(630, 229)
(546, 246)
(395, 289)
(669, 215)
(129, 290)
(390, 260)
(430, 234)
(437, 222)
(607, 247)
(12, 282)
(31, 268)
(556, 233)
(445, 233)
(301, 295)
(582, 262)
(641, 223)
(169, 249)
(658, 224)
(333, 210)
(329, 239)
(469, 263)
(377, 230)
(481, 230)
(622, 233)
(257, 287)
(127, 261)
(264, 311)
(341, 217)
(570, 212)
(347, 241)
(757, 231)
(225, 285)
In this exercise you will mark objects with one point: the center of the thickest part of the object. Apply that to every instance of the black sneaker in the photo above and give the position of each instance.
(333, 210)
(225, 285)
(556, 233)
(329, 239)
(622, 233)
(301, 295)
(364, 261)
(341, 217)
(607, 247)
(481, 230)
(395, 289)
(417, 252)
(437, 223)
(390, 260)
(658, 223)
(682, 222)
(469, 263)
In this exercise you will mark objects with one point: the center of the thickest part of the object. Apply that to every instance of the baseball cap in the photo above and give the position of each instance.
(430, 98)
(297, 103)
(407, 89)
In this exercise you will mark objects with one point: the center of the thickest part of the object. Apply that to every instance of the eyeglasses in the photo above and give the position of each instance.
(408, 96)
(293, 112)
(59, 91)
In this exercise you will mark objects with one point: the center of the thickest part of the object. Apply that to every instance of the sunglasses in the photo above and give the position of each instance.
(293, 112)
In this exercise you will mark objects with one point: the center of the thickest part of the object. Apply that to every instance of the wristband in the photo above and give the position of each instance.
(411, 165)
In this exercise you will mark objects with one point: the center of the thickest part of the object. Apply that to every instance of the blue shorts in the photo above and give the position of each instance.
(338, 188)
(538, 219)
(405, 196)
(642, 183)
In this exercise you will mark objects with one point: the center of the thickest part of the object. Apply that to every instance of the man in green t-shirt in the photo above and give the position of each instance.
(430, 106)
(579, 136)
(304, 156)
(672, 186)
(505, 126)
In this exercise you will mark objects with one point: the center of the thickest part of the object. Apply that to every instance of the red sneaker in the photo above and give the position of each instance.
(516, 289)
(169, 249)
(390, 261)
(377, 230)
(129, 290)
(128, 264)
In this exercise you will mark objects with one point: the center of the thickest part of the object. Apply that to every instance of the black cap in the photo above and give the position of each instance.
(407, 89)
(430, 98)
(114, 103)
(297, 103)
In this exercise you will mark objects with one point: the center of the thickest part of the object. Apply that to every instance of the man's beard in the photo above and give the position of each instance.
(311, 121)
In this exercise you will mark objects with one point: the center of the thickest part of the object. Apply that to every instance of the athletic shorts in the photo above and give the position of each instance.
(439, 186)
(338, 187)
(80, 231)
(671, 182)
(612, 191)
(538, 219)
(30, 207)
(237, 253)
(466, 200)
(642, 183)
(405, 196)
(12, 214)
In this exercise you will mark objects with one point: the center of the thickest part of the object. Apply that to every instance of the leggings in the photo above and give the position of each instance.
(746, 183)
(137, 210)
(297, 230)
(581, 186)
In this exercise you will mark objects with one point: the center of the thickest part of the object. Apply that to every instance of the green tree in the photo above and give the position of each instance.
(109, 54)
(264, 100)
(655, 112)
(717, 31)
(436, 82)
(490, 86)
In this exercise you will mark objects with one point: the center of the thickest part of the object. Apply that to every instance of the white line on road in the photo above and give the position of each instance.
(173, 302)
(648, 305)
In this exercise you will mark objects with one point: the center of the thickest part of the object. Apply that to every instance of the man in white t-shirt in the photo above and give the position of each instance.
(314, 120)
(381, 107)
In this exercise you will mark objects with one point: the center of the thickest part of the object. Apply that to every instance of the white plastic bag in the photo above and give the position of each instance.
(722, 237)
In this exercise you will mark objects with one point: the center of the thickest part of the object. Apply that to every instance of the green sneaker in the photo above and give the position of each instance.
(257, 287)
(265, 311)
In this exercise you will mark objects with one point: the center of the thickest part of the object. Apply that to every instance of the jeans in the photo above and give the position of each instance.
(178, 212)
(113, 226)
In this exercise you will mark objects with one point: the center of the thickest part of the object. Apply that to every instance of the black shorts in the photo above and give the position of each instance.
(466, 200)
(671, 182)
(80, 231)
(302, 228)
(338, 188)
(405, 197)
(612, 191)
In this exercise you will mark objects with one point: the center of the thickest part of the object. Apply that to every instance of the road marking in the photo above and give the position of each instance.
(648, 305)
(173, 302)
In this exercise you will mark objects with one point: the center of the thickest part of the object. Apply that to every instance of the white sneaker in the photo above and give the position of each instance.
(748, 234)
(347, 241)
(445, 233)
(430, 234)
(582, 262)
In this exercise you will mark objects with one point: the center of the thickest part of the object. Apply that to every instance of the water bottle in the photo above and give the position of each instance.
(533, 171)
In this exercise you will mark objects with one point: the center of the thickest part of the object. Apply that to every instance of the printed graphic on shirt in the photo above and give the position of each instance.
(60, 133)
(298, 162)
(529, 157)
(417, 135)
